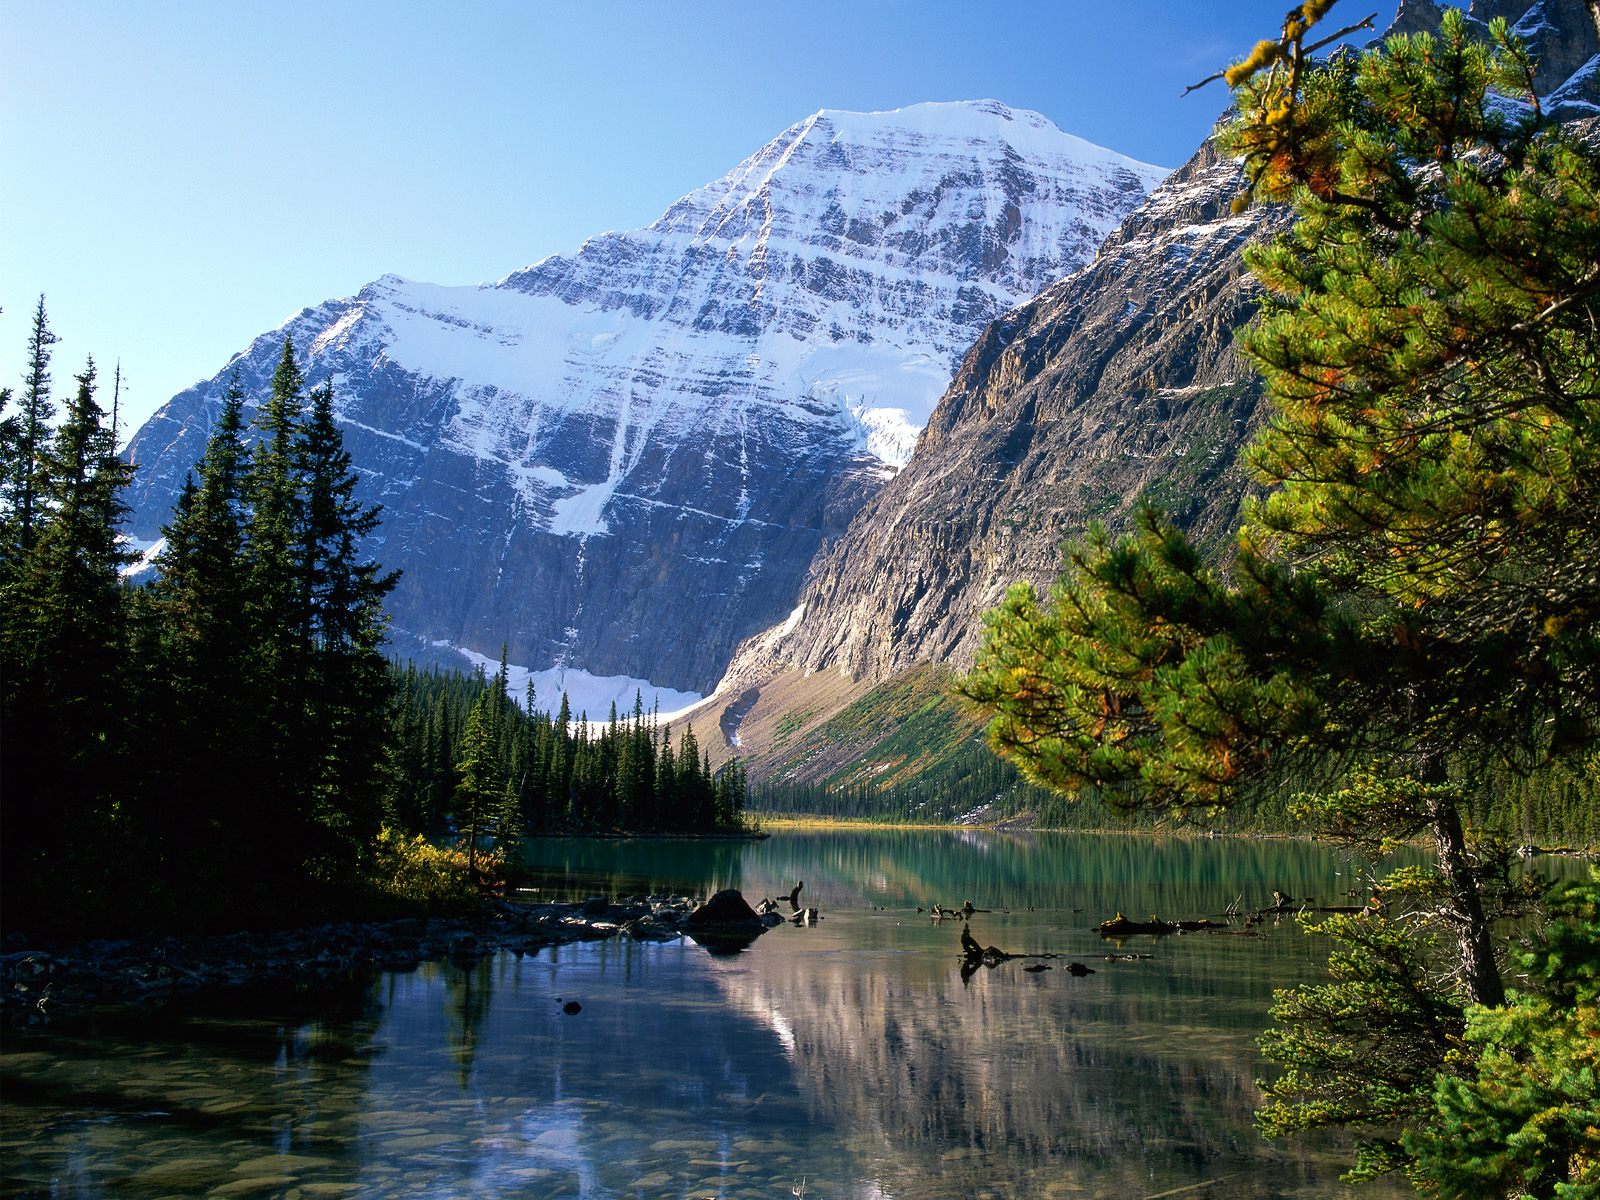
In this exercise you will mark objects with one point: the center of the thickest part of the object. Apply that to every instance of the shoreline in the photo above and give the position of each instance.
(1023, 823)
(728, 835)
(49, 980)
(67, 983)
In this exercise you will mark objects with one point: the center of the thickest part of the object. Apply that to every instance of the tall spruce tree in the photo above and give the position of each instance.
(348, 688)
(26, 472)
(201, 608)
(1415, 600)
(478, 783)
(10, 455)
(64, 652)
(279, 614)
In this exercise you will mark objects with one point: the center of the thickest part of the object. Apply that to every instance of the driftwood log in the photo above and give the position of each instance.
(974, 956)
(1121, 926)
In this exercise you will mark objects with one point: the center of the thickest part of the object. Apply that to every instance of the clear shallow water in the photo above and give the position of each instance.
(851, 1057)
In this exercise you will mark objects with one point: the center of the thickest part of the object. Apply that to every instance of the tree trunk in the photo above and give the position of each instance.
(1479, 970)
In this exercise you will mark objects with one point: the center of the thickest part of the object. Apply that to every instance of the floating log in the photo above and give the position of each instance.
(1121, 926)
(974, 956)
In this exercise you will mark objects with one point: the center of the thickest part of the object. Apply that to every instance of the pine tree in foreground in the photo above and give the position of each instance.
(1415, 601)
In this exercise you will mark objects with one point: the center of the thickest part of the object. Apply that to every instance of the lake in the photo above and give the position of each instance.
(852, 1058)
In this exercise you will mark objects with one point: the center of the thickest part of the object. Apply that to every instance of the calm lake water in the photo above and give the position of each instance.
(850, 1059)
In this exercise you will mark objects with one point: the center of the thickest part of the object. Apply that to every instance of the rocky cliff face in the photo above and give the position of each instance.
(1118, 385)
(623, 461)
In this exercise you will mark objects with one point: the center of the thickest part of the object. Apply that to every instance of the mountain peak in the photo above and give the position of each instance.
(622, 460)
(1029, 133)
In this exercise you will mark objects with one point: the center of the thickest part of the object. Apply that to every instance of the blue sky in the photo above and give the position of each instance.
(180, 176)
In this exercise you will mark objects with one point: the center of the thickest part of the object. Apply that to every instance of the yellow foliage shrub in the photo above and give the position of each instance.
(414, 870)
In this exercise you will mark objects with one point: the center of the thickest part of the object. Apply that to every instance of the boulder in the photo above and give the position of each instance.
(728, 908)
(725, 924)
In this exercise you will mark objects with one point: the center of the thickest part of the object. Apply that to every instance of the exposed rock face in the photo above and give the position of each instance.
(1118, 384)
(1562, 36)
(1560, 33)
(624, 460)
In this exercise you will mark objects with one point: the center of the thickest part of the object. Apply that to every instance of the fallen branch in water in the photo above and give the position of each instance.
(974, 956)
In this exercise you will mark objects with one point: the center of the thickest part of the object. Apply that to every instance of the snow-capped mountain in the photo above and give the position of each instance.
(622, 461)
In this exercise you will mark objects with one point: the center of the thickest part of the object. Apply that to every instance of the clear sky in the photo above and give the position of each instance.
(179, 176)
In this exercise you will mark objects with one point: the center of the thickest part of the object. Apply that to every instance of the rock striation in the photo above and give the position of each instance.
(1118, 385)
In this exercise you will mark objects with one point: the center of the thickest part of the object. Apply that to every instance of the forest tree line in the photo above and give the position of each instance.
(226, 741)
(469, 758)
(1548, 808)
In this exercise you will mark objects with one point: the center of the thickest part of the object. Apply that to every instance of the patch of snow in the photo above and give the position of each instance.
(784, 630)
(148, 550)
(586, 693)
(383, 433)
(884, 393)
(1534, 21)
(582, 513)
(1567, 94)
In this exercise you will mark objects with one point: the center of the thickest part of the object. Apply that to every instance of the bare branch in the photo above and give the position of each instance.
(1345, 32)
(1367, 23)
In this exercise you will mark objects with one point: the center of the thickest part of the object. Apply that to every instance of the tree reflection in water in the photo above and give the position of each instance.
(848, 1053)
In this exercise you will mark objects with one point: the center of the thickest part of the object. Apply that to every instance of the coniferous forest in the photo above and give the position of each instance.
(468, 758)
(228, 741)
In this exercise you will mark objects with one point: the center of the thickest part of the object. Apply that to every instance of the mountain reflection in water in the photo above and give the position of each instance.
(850, 1055)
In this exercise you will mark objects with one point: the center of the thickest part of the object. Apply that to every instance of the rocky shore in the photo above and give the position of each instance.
(42, 984)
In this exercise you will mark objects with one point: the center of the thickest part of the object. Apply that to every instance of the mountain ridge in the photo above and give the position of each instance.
(622, 461)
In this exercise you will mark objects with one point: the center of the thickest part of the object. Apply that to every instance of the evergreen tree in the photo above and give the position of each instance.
(477, 783)
(28, 463)
(348, 689)
(279, 612)
(561, 766)
(1413, 603)
(1526, 1120)
(10, 456)
(692, 788)
(64, 654)
(196, 704)
(666, 791)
